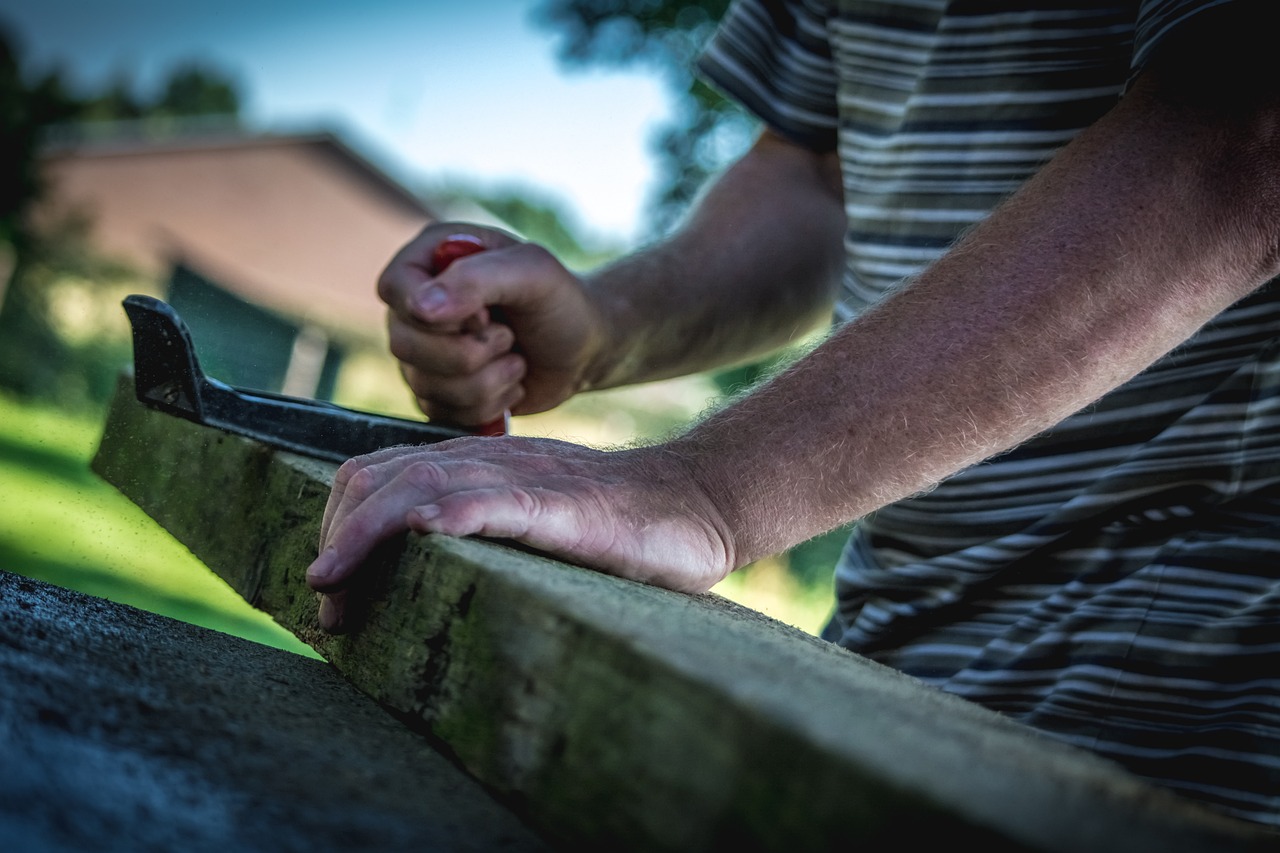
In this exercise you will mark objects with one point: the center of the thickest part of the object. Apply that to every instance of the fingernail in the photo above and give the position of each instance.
(330, 615)
(426, 513)
(427, 302)
(323, 567)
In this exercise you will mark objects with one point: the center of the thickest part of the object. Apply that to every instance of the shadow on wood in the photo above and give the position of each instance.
(124, 730)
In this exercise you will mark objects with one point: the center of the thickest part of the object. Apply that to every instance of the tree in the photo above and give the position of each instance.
(533, 216)
(117, 102)
(26, 109)
(191, 90)
(196, 90)
(34, 359)
(709, 131)
(29, 109)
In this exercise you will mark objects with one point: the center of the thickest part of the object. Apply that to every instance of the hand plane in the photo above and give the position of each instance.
(167, 377)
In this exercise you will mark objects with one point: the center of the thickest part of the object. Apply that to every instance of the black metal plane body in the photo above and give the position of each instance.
(167, 376)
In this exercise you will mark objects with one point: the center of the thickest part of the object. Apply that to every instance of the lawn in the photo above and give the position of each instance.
(61, 524)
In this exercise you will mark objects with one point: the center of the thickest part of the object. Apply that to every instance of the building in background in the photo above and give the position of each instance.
(269, 246)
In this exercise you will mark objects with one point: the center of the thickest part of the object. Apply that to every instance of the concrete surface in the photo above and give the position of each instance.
(626, 717)
(121, 730)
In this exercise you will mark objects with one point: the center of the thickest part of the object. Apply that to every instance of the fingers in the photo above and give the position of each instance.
(342, 479)
(459, 362)
(459, 378)
(510, 298)
(365, 507)
(332, 610)
(636, 513)
(448, 353)
(371, 495)
(520, 277)
(537, 491)
(469, 400)
(440, 300)
(505, 513)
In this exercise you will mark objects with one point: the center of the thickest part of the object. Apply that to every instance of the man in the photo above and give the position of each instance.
(1061, 429)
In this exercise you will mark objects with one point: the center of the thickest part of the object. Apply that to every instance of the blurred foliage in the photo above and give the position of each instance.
(196, 90)
(40, 357)
(37, 357)
(708, 130)
(535, 217)
(190, 90)
(29, 108)
(26, 109)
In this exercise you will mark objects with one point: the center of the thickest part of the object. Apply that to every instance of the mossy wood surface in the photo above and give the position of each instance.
(612, 713)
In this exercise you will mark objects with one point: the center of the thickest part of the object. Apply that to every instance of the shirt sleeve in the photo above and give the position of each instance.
(773, 57)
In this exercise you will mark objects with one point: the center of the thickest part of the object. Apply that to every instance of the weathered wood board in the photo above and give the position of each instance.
(618, 715)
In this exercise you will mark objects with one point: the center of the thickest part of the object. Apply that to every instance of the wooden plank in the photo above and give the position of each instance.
(609, 712)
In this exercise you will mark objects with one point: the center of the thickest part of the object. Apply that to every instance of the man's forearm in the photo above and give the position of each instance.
(753, 268)
(1144, 228)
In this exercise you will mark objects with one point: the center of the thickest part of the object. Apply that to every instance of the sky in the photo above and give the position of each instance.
(426, 88)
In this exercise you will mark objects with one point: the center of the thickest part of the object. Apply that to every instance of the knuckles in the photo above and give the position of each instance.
(361, 484)
(346, 471)
(529, 502)
(447, 354)
(425, 477)
(493, 388)
(400, 343)
(534, 254)
(387, 287)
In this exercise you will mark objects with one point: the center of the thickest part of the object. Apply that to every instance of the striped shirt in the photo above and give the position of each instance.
(1114, 582)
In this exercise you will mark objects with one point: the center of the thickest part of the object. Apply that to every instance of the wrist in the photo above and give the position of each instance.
(609, 362)
(702, 491)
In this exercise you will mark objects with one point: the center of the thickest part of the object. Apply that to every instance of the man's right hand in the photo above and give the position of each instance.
(465, 362)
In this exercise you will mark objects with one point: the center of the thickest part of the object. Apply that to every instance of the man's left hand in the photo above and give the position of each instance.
(639, 514)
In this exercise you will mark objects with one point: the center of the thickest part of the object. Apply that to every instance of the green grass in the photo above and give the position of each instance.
(61, 524)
